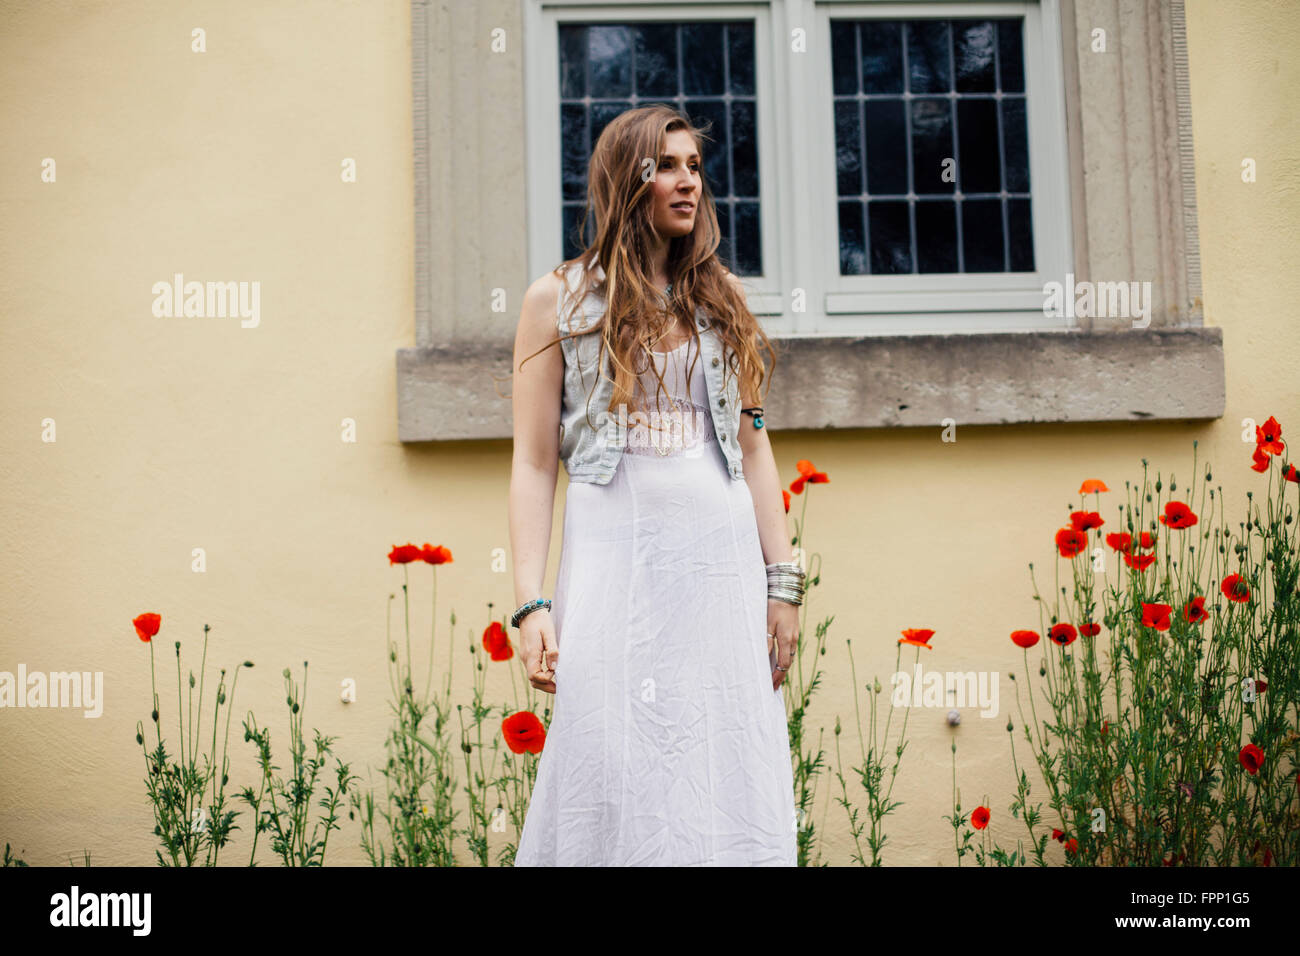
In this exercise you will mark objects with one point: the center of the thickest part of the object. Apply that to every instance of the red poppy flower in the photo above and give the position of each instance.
(404, 554)
(1291, 474)
(1178, 515)
(979, 818)
(807, 473)
(1083, 520)
(523, 731)
(1252, 758)
(1072, 846)
(1139, 562)
(1259, 460)
(916, 636)
(1269, 437)
(431, 555)
(1070, 542)
(1091, 485)
(1105, 726)
(1194, 610)
(1147, 541)
(147, 624)
(1120, 541)
(1063, 634)
(1260, 685)
(1235, 588)
(1156, 615)
(1091, 629)
(1058, 835)
(497, 642)
(1025, 639)
(786, 495)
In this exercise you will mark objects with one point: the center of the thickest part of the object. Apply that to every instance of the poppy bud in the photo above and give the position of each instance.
(1009, 727)
(155, 716)
(191, 681)
(837, 726)
(295, 708)
(139, 739)
(465, 746)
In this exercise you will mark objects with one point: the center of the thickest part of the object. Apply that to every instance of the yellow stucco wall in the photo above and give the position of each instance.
(183, 433)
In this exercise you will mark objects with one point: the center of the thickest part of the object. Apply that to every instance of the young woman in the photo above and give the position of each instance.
(674, 616)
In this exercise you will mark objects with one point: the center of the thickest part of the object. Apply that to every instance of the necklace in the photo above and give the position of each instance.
(667, 291)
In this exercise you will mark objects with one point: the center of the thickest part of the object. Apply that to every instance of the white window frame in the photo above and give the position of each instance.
(801, 291)
(930, 302)
(542, 129)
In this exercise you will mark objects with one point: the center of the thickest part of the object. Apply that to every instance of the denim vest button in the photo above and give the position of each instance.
(724, 436)
(722, 401)
(715, 361)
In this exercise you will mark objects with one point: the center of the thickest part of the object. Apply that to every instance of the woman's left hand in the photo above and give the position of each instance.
(783, 632)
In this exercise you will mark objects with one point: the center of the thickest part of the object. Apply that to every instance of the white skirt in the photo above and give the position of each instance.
(667, 744)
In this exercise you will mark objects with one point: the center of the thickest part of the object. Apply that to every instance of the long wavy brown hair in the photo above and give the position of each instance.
(622, 202)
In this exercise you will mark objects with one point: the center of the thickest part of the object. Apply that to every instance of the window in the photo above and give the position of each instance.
(947, 193)
(865, 327)
(895, 174)
(931, 151)
(704, 69)
(588, 62)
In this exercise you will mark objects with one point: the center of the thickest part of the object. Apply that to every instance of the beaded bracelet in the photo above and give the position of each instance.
(527, 608)
(757, 413)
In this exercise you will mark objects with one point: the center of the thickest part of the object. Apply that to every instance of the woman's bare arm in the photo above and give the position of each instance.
(759, 465)
(764, 481)
(534, 467)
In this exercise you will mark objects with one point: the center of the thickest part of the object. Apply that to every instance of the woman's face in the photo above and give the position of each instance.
(677, 185)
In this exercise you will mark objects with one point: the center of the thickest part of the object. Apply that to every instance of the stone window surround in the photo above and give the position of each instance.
(1133, 214)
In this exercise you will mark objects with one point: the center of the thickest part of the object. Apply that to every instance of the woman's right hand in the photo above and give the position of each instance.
(540, 650)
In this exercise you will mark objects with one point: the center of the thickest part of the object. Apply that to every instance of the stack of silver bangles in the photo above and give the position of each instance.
(785, 582)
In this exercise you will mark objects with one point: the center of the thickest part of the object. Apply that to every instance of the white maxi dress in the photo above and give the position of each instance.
(667, 744)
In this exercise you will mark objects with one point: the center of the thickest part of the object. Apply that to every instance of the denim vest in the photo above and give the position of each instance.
(592, 453)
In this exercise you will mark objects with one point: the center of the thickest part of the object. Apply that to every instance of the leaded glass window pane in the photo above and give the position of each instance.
(931, 146)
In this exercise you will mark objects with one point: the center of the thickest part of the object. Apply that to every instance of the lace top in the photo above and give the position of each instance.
(676, 420)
